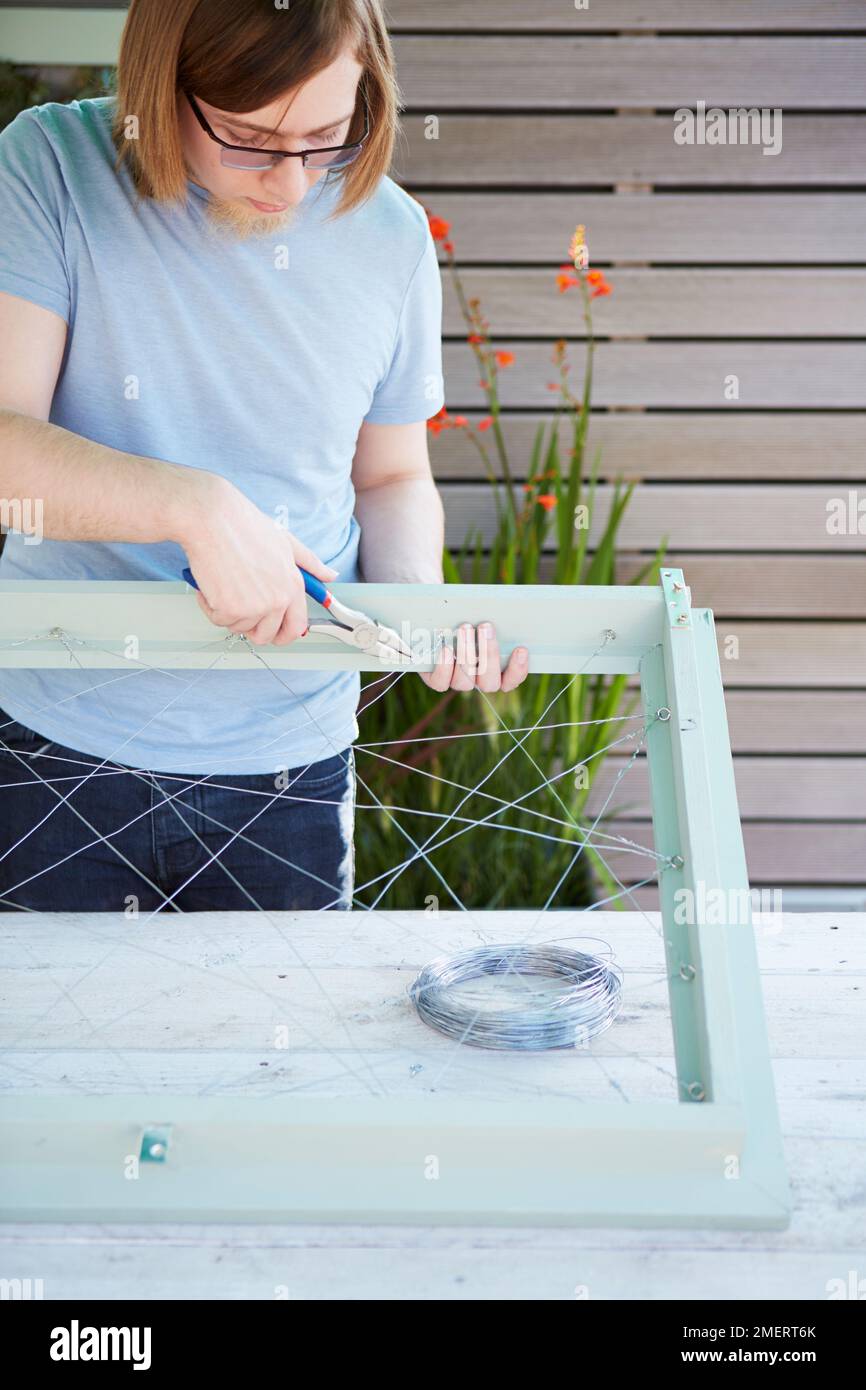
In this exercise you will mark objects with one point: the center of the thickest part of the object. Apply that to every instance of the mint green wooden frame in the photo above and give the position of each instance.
(715, 1159)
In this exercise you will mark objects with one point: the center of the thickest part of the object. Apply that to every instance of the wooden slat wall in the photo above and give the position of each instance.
(725, 261)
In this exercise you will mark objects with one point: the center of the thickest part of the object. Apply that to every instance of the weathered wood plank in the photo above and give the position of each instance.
(781, 376)
(705, 516)
(773, 789)
(580, 151)
(794, 722)
(721, 445)
(228, 1262)
(671, 303)
(769, 586)
(214, 942)
(697, 15)
(782, 655)
(775, 229)
(360, 1006)
(779, 853)
(795, 654)
(468, 72)
(504, 16)
(798, 721)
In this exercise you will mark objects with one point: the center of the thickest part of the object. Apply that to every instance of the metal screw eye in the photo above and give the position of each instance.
(687, 972)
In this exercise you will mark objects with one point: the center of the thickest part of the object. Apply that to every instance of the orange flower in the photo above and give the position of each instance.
(475, 338)
(546, 500)
(439, 228)
(505, 359)
(485, 423)
(459, 422)
(566, 281)
(448, 246)
(595, 277)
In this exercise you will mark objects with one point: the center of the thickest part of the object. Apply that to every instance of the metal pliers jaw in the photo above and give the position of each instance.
(361, 631)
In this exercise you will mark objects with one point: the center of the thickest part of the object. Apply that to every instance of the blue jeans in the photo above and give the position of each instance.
(126, 840)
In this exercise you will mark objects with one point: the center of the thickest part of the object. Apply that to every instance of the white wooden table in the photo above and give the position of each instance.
(182, 1003)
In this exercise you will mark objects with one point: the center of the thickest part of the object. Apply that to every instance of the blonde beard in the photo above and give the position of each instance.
(240, 221)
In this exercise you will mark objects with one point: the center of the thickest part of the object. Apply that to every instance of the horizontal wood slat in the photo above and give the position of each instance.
(704, 516)
(671, 303)
(608, 15)
(576, 151)
(781, 655)
(554, 16)
(795, 722)
(777, 789)
(778, 375)
(801, 654)
(798, 721)
(770, 586)
(776, 854)
(477, 73)
(719, 445)
(682, 228)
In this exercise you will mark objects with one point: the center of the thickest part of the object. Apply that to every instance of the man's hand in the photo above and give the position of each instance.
(246, 568)
(402, 535)
(476, 665)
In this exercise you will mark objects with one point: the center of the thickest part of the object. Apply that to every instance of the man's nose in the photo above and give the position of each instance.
(287, 182)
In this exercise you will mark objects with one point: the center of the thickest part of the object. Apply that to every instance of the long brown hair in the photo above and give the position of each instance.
(241, 55)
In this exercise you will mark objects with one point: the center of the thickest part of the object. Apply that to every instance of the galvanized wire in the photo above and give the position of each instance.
(521, 1018)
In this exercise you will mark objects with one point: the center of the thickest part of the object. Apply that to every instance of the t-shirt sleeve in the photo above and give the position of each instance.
(33, 205)
(413, 387)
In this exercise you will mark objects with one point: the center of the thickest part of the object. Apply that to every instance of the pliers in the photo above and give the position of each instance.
(347, 624)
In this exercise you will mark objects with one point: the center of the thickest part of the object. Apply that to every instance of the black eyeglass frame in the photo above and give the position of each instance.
(282, 154)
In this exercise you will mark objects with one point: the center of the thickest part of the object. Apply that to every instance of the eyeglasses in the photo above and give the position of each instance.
(249, 157)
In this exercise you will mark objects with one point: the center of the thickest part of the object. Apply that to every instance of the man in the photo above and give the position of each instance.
(221, 328)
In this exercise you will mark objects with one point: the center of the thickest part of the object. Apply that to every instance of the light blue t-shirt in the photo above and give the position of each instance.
(214, 353)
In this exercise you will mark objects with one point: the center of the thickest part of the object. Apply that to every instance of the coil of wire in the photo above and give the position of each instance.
(524, 1017)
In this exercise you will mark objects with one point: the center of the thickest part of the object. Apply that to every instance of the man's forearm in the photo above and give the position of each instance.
(402, 532)
(89, 492)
